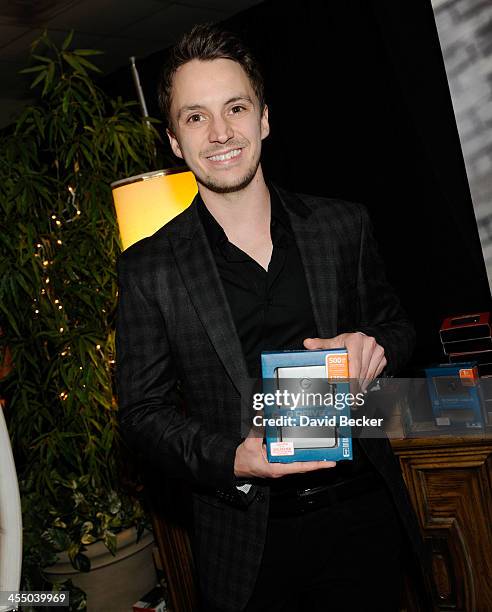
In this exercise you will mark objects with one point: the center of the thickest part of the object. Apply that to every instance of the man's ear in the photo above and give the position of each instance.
(265, 126)
(173, 141)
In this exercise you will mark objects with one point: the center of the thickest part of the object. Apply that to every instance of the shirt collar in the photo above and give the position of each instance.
(216, 235)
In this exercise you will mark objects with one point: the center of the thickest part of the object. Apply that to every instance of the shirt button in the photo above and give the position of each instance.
(260, 497)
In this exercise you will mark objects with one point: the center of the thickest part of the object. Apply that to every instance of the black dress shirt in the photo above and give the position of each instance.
(271, 308)
(272, 311)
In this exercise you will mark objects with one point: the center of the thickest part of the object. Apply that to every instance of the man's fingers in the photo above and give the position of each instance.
(264, 454)
(369, 346)
(376, 358)
(354, 348)
(382, 364)
(378, 363)
(314, 344)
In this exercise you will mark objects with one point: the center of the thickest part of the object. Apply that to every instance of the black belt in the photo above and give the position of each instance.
(299, 501)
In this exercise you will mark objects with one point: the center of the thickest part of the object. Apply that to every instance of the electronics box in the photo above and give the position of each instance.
(307, 427)
(455, 395)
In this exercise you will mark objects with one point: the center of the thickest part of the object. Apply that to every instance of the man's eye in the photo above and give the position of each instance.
(237, 109)
(194, 118)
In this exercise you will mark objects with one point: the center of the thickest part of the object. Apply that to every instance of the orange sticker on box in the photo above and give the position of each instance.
(469, 376)
(337, 365)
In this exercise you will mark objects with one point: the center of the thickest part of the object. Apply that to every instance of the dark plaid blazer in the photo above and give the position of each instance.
(174, 324)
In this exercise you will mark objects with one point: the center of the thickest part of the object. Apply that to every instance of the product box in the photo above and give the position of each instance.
(153, 601)
(454, 391)
(306, 405)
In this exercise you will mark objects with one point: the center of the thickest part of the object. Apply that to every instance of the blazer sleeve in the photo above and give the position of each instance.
(151, 422)
(380, 313)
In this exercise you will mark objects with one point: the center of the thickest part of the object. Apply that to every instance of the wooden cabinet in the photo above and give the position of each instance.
(450, 484)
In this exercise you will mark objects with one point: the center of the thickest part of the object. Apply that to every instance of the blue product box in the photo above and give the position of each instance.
(301, 423)
(454, 390)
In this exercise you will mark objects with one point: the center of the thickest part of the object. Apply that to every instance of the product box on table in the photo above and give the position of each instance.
(305, 405)
(455, 394)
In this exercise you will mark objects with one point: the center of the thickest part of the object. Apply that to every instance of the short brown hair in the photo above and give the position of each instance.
(208, 42)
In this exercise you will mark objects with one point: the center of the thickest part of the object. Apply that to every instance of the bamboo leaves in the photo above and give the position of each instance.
(58, 247)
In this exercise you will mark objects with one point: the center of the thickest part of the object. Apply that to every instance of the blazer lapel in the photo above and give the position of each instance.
(317, 254)
(201, 278)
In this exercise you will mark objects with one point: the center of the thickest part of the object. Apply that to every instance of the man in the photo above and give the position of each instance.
(250, 267)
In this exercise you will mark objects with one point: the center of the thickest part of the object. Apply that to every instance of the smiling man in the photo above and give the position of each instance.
(251, 267)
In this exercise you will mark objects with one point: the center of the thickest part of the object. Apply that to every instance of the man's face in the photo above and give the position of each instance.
(217, 124)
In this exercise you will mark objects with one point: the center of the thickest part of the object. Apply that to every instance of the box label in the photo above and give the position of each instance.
(281, 449)
(337, 365)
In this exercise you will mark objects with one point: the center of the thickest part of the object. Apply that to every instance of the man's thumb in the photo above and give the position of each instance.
(315, 343)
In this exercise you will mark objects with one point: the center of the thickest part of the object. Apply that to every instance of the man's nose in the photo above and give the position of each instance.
(220, 130)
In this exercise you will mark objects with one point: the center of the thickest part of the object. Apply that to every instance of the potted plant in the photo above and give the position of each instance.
(58, 247)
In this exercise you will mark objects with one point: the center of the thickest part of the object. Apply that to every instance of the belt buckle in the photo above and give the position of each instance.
(316, 497)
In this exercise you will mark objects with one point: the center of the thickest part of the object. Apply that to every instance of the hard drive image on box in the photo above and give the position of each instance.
(306, 380)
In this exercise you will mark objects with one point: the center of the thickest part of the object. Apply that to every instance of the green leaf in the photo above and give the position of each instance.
(32, 69)
(74, 62)
(88, 64)
(110, 540)
(58, 538)
(87, 539)
(65, 103)
(67, 41)
(42, 58)
(49, 78)
(81, 563)
(39, 78)
(87, 52)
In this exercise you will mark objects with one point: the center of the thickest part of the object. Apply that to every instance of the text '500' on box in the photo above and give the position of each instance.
(306, 402)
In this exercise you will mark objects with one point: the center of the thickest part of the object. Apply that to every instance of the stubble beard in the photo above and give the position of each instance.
(238, 185)
(221, 187)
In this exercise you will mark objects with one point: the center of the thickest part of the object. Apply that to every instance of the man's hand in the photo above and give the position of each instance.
(366, 356)
(251, 461)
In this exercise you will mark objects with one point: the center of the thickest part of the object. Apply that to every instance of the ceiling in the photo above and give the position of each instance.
(120, 28)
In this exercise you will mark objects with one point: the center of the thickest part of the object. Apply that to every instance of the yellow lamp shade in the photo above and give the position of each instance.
(146, 202)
